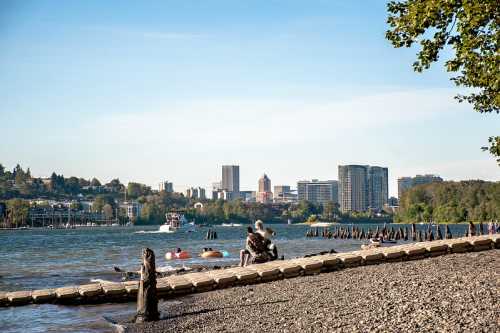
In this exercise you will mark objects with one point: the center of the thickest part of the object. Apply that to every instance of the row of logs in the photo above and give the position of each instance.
(385, 233)
(211, 234)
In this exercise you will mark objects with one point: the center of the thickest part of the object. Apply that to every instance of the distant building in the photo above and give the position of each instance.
(393, 202)
(195, 193)
(284, 193)
(318, 191)
(231, 180)
(216, 187)
(405, 183)
(133, 209)
(201, 193)
(225, 195)
(378, 187)
(363, 187)
(248, 196)
(264, 195)
(166, 186)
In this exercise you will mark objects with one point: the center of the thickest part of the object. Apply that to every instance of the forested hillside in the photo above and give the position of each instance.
(473, 200)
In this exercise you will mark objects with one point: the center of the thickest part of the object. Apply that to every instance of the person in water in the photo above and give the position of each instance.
(267, 233)
(255, 249)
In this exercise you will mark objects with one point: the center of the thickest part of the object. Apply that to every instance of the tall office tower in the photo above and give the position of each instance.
(231, 180)
(264, 184)
(318, 191)
(264, 195)
(404, 183)
(353, 188)
(378, 187)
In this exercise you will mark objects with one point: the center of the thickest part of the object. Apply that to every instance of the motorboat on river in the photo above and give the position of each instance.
(174, 221)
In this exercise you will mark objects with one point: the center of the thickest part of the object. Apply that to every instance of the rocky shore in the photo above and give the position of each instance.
(453, 293)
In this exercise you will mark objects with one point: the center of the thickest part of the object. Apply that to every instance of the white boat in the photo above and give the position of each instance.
(231, 225)
(174, 222)
(321, 224)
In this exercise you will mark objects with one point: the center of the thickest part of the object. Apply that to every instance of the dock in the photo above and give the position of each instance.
(179, 285)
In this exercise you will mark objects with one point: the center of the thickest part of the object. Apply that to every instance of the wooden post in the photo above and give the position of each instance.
(413, 232)
(147, 299)
(472, 229)
(447, 232)
(438, 232)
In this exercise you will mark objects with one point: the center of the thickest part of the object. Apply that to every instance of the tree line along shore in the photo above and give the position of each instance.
(445, 202)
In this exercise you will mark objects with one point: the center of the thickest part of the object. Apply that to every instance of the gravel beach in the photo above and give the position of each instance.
(453, 293)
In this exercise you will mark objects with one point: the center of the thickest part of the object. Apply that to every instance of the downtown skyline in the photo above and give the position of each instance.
(175, 91)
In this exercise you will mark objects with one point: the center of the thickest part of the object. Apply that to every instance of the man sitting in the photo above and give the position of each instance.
(266, 234)
(255, 249)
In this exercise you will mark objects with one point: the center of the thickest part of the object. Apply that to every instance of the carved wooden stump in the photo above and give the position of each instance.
(147, 300)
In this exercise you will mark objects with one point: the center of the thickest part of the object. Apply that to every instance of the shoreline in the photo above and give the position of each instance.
(457, 292)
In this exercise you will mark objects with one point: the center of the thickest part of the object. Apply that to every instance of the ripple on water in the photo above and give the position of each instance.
(35, 259)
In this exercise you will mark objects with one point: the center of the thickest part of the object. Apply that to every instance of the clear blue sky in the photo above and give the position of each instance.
(148, 91)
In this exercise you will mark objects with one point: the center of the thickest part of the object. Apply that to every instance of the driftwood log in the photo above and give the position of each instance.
(147, 300)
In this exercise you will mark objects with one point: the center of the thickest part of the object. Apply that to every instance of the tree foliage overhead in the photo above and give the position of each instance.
(470, 28)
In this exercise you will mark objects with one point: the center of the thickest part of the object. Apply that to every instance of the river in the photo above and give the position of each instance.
(43, 258)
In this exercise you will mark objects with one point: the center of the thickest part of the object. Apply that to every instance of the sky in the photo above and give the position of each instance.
(171, 90)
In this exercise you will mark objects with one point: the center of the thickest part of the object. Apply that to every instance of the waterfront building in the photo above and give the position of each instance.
(264, 195)
(378, 187)
(318, 191)
(363, 187)
(133, 209)
(166, 186)
(231, 180)
(405, 183)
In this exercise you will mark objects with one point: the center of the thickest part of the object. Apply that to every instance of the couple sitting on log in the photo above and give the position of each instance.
(258, 247)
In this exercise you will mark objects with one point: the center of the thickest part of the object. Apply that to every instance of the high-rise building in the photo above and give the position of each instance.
(264, 184)
(404, 183)
(318, 191)
(166, 186)
(201, 193)
(378, 187)
(362, 187)
(264, 195)
(231, 180)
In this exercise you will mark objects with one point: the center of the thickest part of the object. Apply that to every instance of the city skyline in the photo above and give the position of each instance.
(112, 90)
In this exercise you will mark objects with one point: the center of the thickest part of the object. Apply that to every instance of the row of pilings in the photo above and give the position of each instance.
(211, 234)
(393, 233)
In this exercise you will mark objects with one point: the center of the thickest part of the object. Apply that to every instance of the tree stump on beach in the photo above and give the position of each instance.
(147, 299)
